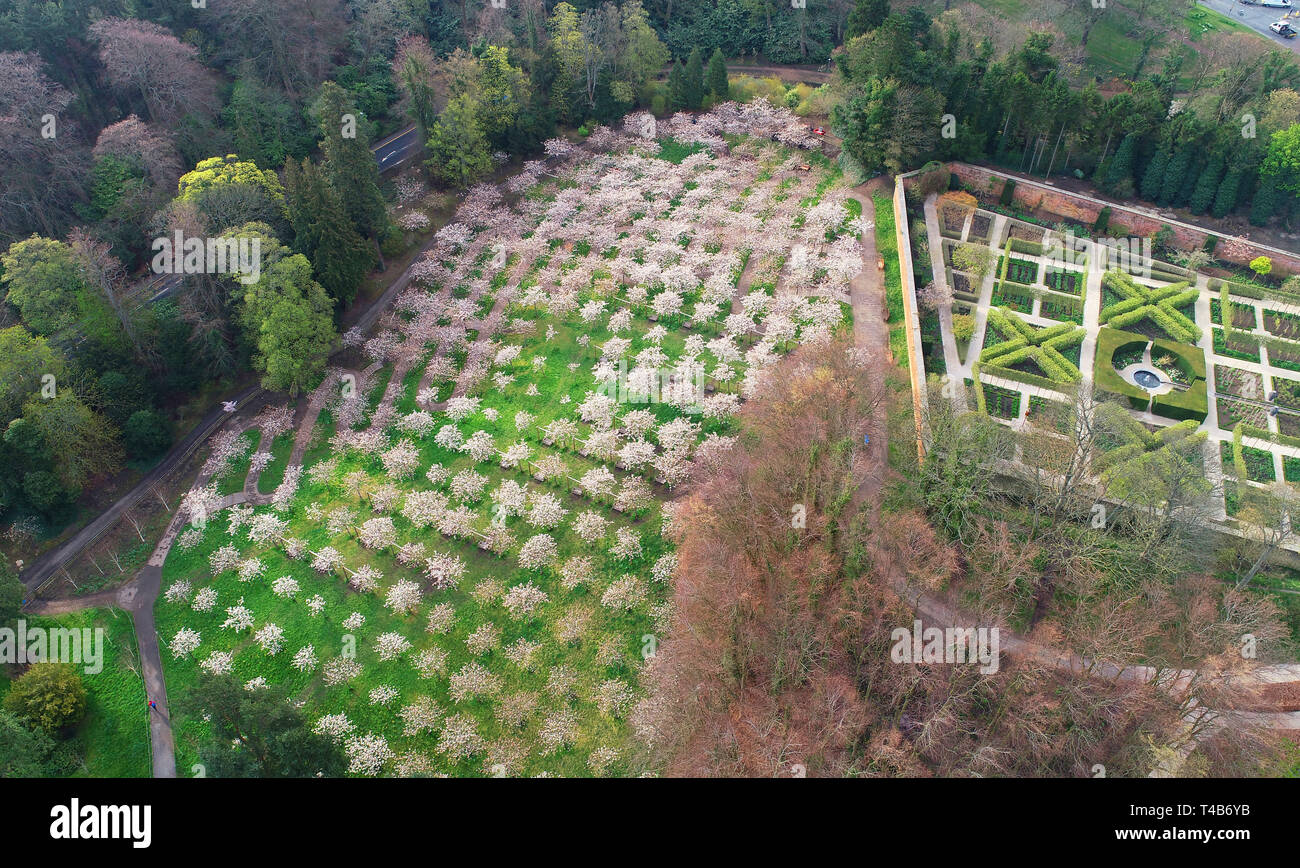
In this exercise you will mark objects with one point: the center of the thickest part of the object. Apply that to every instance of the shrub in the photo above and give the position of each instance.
(146, 434)
(48, 696)
(972, 258)
(1261, 265)
(963, 326)
(1008, 193)
(1102, 224)
(934, 178)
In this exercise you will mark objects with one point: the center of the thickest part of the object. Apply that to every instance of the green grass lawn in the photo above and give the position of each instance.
(112, 740)
(273, 474)
(887, 246)
(1115, 41)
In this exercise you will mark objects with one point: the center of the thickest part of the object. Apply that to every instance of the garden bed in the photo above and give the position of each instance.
(1288, 392)
(1239, 382)
(1282, 324)
(1001, 402)
(1068, 282)
(1247, 350)
(1022, 271)
(1231, 412)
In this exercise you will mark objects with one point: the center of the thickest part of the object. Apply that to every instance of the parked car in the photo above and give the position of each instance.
(1276, 4)
(1283, 29)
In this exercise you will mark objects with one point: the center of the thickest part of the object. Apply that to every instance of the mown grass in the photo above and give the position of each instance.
(112, 740)
(273, 474)
(887, 247)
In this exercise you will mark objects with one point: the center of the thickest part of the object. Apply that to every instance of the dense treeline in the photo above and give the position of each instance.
(127, 124)
(1212, 138)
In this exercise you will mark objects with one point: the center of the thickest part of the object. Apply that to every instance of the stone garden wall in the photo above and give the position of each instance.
(1034, 195)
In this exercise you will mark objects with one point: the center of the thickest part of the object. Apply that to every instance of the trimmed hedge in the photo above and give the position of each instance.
(1001, 349)
(1159, 305)
(1041, 346)
(1020, 245)
(1191, 403)
(1279, 437)
(1259, 293)
(1023, 377)
(1106, 378)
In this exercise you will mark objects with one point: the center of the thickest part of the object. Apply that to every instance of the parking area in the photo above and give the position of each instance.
(1258, 18)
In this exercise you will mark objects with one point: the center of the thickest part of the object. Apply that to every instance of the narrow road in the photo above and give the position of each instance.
(871, 337)
(48, 563)
(398, 148)
(1257, 17)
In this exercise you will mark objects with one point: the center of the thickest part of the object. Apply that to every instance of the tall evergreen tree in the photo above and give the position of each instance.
(1121, 165)
(324, 234)
(1267, 202)
(349, 165)
(1229, 189)
(866, 16)
(716, 77)
(1177, 168)
(1207, 183)
(298, 204)
(1190, 177)
(677, 98)
(695, 79)
(1154, 177)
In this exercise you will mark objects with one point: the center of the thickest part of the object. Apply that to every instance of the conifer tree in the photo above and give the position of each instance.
(1121, 165)
(1207, 183)
(1177, 168)
(349, 164)
(324, 234)
(695, 79)
(716, 78)
(866, 16)
(1154, 176)
(677, 99)
(1226, 199)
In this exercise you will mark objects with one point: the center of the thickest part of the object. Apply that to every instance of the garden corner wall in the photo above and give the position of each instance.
(1035, 195)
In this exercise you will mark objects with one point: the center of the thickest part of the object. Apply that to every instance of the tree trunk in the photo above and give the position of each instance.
(1052, 159)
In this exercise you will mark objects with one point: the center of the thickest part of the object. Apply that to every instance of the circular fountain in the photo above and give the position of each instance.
(1147, 379)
